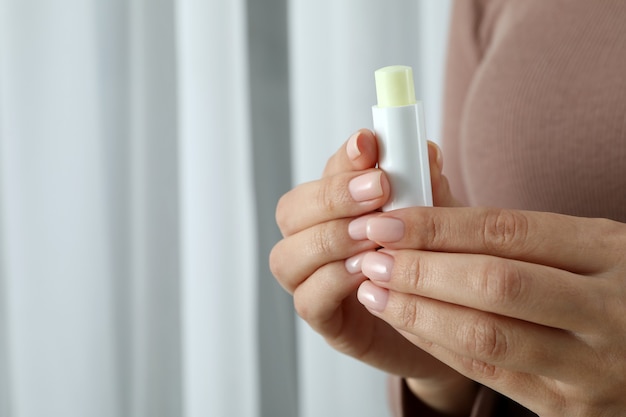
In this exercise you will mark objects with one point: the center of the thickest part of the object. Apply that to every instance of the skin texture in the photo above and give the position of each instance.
(311, 264)
(530, 304)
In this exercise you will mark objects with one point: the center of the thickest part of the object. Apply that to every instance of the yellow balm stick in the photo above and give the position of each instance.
(399, 127)
(394, 86)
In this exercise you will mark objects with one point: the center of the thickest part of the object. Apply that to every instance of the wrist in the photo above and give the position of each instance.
(453, 397)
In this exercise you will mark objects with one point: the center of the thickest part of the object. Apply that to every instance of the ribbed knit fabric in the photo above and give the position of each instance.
(536, 105)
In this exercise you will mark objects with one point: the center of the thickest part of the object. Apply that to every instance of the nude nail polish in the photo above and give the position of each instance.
(366, 187)
(377, 266)
(357, 228)
(372, 296)
(385, 229)
(352, 148)
(353, 264)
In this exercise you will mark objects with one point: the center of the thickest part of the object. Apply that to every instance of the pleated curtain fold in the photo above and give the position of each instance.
(143, 147)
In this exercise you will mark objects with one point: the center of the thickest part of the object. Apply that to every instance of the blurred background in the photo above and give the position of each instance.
(143, 147)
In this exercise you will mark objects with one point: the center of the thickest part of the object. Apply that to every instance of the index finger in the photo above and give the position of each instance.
(574, 244)
(358, 153)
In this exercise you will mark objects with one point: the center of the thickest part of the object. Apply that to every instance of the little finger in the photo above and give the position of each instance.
(296, 257)
(521, 290)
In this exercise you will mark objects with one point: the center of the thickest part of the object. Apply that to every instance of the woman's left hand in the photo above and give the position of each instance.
(530, 304)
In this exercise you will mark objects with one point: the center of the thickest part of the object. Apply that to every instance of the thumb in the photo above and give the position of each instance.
(442, 196)
(359, 152)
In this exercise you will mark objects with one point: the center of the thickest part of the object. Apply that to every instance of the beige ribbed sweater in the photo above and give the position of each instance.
(534, 118)
(535, 113)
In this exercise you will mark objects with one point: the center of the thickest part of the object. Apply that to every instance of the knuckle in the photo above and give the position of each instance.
(307, 305)
(430, 229)
(410, 270)
(281, 215)
(275, 261)
(423, 343)
(325, 196)
(277, 266)
(484, 340)
(408, 314)
(611, 307)
(606, 227)
(310, 312)
(324, 240)
(303, 307)
(502, 282)
(609, 236)
(331, 194)
(504, 228)
(480, 368)
(434, 234)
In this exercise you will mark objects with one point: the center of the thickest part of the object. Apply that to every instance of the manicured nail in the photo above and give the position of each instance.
(357, 229)
(385, 229)
(377, 266)
(372, 296)
(353, 264)
(352, 148)
(366, 187)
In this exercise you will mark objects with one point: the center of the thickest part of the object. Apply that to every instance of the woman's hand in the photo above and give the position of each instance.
(319, 261)
(530, 304)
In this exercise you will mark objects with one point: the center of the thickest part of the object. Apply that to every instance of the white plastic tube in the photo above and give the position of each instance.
(403, 148)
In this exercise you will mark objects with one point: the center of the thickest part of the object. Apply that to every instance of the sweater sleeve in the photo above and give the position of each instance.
(403, 403)
(488, 403)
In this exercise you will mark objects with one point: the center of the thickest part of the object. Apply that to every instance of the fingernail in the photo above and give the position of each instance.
(352, 148)
(372, 296)
(353, 264)
(377, 266)
(357, 229)
(385, 229)
(366, 187)
(438, 155)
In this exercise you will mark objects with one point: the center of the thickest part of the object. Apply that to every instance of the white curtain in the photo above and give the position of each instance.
(143, 146)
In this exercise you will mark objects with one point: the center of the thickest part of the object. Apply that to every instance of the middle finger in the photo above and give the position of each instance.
(343, 195)
(521, 290)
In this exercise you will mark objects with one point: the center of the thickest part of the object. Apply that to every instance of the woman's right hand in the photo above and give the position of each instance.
(318, 261)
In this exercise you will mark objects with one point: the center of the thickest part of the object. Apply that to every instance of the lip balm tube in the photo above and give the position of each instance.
(403, 148)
